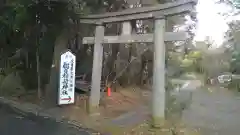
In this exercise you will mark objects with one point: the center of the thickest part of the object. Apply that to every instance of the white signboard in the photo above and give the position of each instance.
(67, 78)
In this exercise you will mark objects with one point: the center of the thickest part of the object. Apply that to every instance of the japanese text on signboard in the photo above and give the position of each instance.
(67, 77)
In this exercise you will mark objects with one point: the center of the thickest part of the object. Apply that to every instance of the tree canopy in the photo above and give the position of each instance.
(235, 3)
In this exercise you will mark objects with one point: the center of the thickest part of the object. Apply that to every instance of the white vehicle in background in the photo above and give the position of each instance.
(225, 78)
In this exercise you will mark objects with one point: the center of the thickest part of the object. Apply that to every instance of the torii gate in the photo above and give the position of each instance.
(158, 13)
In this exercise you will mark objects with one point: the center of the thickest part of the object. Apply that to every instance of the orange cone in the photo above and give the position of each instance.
(108, 91)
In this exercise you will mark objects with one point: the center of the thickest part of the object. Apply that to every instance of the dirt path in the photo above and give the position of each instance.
(214, 112)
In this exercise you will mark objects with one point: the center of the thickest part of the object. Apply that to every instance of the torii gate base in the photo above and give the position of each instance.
(158, 13)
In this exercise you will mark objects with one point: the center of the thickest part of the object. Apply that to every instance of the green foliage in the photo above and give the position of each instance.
(235, 69)
(30, 25)
(236, 3)
(21, 22)
(233, 3)
(187, 63)
(11, 85)
(1, 79)
(191, 61)
(234, 84)
(173, 62)
(235, 63)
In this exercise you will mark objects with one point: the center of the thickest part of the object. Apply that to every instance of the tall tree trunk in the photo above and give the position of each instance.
(38, 75)
(52, 88)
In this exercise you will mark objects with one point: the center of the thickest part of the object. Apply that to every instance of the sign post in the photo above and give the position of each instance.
(66, 87)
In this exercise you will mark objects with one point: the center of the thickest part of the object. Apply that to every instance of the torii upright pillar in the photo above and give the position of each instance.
(97, 69)
(158, 93)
